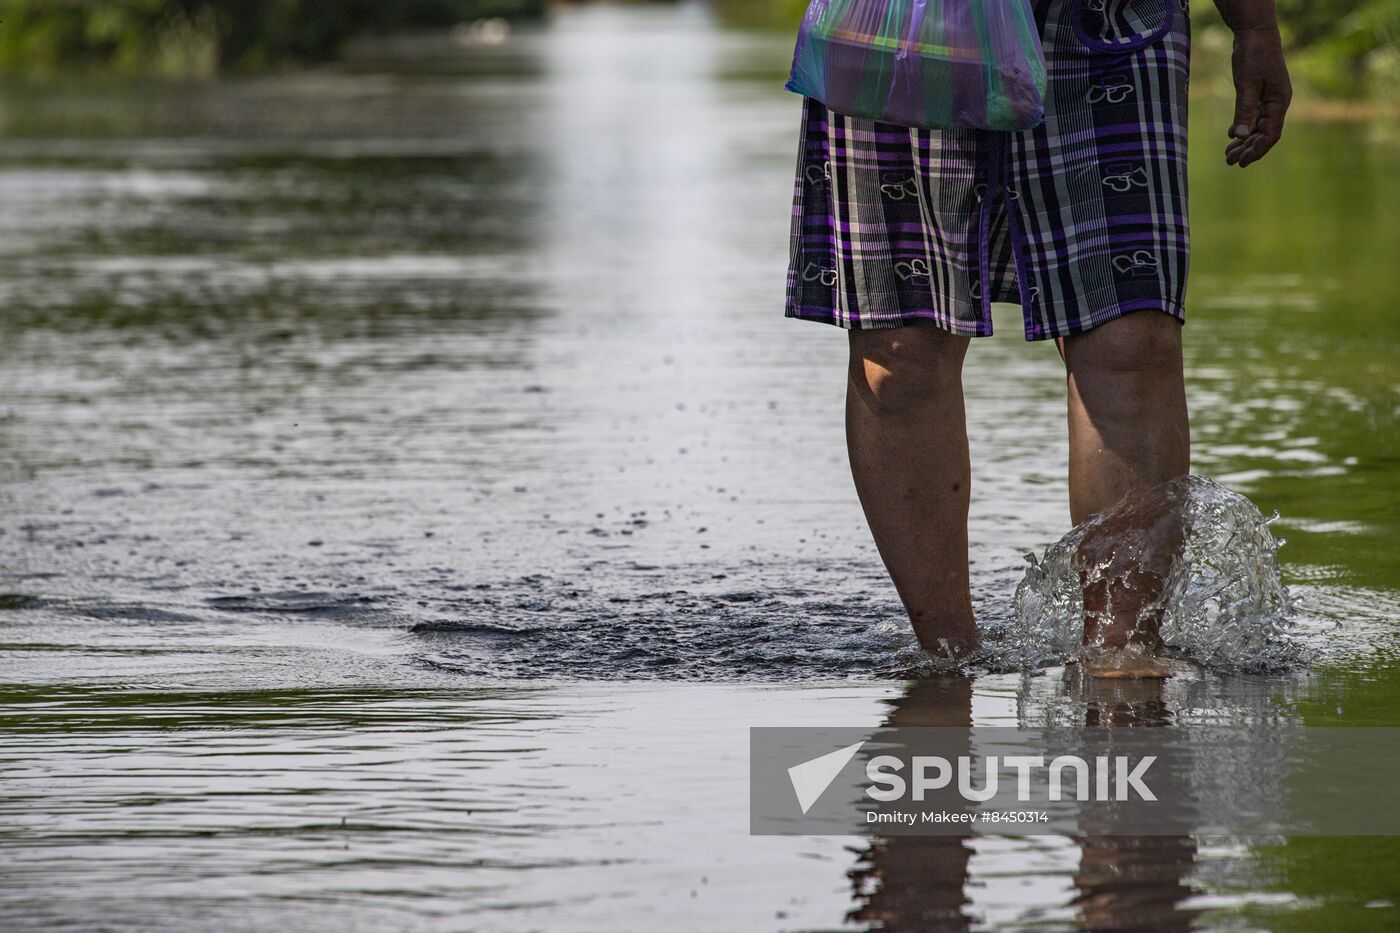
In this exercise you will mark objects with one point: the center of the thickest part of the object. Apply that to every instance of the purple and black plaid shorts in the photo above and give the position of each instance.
(1079, 220)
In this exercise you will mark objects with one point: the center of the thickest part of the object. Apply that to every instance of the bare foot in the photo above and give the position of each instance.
(951, 644)
(1132, 662)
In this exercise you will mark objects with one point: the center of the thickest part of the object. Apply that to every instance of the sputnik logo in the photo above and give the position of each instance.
(811, 778)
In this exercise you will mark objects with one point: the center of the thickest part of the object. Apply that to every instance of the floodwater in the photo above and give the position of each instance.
(410, 494)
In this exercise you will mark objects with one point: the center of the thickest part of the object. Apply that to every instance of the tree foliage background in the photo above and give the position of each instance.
(199, 37)
(1339, 47)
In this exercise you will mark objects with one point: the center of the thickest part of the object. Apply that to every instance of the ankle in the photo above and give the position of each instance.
(950, 632)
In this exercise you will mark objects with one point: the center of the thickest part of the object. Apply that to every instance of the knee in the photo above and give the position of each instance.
(1145, 344)
(906, 370)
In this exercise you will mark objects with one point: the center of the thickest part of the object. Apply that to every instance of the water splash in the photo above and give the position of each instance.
(1222, 602)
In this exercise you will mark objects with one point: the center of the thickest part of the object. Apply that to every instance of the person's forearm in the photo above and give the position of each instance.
(1248, 15)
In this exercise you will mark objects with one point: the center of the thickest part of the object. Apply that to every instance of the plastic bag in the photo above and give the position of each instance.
(945, 64)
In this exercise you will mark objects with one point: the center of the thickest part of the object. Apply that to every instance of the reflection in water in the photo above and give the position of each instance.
(1132, 882)
(918, 882)
(1123, 882)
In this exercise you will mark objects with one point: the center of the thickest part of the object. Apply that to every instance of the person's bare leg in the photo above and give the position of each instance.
(1124, 559)
(1128, 426)
(907, 436)
(1128, 430)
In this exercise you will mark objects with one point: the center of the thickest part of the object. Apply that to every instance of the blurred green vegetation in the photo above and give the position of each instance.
(191, 38)
(1338, 48)
(1341, 48)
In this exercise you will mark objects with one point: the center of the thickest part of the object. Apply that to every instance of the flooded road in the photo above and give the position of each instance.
(410, 494)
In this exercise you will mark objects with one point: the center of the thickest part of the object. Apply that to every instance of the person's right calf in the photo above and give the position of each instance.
(907, 439)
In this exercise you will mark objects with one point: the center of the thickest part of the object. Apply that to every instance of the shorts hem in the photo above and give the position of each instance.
(1083, 323)
(905, 319)
(1078, 325)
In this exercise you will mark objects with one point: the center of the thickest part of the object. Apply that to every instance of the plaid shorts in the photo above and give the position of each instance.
(1079, 220)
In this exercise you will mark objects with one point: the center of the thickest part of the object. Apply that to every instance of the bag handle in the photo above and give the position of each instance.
(916, 19)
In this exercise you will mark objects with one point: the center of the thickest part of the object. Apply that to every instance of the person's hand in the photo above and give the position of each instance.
(1262, 93)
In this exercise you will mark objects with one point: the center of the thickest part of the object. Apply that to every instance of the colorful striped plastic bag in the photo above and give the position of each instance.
(945, 64)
